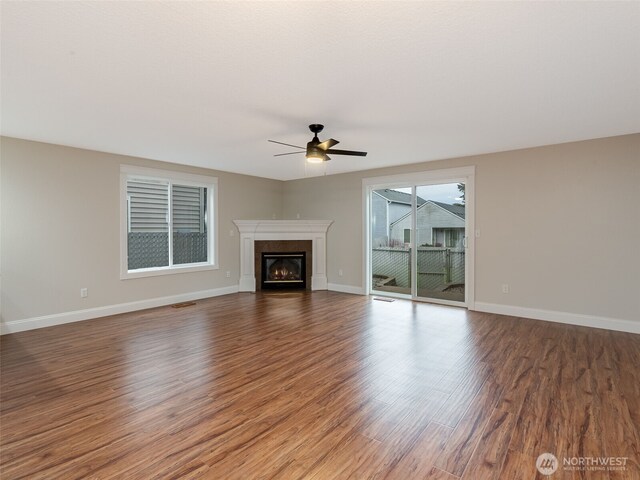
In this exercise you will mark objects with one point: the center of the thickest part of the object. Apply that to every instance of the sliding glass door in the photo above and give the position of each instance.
(417, 239)
(391, 245)
(440, 242)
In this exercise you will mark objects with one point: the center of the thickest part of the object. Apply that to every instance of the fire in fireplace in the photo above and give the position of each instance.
(283, 270)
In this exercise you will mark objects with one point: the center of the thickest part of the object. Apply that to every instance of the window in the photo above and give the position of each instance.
(407, 235)
(448, 237)
(167, 222)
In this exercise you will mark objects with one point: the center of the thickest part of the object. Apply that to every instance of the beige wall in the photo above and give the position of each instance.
(559, 224)
(60, 230)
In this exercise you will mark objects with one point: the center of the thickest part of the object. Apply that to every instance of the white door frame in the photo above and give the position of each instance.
(409, 180)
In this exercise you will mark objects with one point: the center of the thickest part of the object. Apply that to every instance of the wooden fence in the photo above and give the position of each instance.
(437, 267)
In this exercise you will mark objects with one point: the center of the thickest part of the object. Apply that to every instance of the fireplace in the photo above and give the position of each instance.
(282, 236)
(283, 270)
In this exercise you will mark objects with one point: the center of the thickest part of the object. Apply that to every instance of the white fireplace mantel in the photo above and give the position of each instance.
(252, 230)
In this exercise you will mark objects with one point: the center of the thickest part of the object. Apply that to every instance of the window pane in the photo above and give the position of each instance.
(189, 206)
(148, 226)
(440, 264)
(454, 238)
(390, 234)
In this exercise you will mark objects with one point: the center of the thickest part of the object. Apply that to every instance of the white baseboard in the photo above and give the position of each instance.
(79, 315)
(525, 312)
(336, 287)
(561, 317)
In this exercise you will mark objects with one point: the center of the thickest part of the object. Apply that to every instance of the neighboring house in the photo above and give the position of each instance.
(148, 207)
(387, 206)
(438, 225)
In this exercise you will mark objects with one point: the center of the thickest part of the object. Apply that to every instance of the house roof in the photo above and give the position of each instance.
(457, 210)
(398, 197)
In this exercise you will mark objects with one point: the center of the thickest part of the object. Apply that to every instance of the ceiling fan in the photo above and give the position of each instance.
(316, 151)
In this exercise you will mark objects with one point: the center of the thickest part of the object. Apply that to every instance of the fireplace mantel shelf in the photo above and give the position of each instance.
(252, 230)
(283, 226)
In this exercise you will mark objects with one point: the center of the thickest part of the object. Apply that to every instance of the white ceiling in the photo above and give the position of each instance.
(207, 83)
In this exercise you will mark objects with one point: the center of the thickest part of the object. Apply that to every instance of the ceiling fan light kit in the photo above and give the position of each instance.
(315, 157)
(316, 151)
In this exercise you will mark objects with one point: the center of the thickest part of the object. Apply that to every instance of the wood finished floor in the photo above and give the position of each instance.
(315, 386)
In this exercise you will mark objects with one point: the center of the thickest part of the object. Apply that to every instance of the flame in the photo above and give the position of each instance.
(280, 274)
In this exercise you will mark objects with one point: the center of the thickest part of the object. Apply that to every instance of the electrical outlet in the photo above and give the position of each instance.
(228, 274)
(340, 272)
(297, 215)
(505, 288)
(84, 292)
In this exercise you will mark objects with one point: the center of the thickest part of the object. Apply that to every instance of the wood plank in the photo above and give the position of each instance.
(465, 437)
(488, 459)
(451, 412)
(518, 466)
(419, 461)
(437, 474)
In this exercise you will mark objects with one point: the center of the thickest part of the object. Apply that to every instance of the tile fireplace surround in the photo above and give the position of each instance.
(252, 230)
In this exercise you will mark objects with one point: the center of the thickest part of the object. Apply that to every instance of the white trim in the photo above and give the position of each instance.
(366, 237)
(155, 271)
(252, 230)
(425, 177)
(189, 179)
(413, 242)
(470, 237)
(336, 287)
(155, 173)
(90, 313)
(283, 226)
(592, 321)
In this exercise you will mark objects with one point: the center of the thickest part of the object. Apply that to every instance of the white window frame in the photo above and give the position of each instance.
(211, 183)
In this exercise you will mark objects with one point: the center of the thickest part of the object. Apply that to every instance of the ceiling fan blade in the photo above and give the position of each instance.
(287, 144)
(290, 153)
(327, 144)
(347, 152)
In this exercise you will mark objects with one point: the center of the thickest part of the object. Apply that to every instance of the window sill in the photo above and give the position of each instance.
(154, 272)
